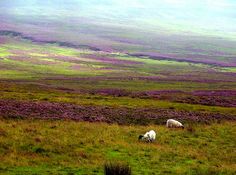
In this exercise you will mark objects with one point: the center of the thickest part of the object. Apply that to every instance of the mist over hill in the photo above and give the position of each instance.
(174, 28)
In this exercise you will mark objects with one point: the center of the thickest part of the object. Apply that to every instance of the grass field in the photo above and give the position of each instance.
(67, 147)
(71, 110)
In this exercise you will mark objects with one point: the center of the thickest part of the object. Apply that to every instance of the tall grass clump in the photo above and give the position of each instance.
(117, 169)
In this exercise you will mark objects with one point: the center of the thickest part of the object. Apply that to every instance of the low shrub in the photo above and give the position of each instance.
(117, 169)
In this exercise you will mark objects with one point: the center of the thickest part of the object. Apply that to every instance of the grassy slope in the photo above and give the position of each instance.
(67, 147)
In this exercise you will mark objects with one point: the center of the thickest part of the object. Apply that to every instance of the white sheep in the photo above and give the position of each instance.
(171, 123)
(148, 136)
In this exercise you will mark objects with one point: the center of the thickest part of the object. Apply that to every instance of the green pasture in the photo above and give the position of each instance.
(67, 147)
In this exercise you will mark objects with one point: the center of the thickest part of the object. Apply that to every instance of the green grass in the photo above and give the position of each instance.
(14, 74)
(142, 85)
(3, 52)
(57, 69)
(229, 69)
(67, 147)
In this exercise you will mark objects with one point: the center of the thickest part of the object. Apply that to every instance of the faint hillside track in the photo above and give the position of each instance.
(121, 115)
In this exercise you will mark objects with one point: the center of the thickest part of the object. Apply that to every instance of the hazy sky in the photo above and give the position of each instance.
(207, 17)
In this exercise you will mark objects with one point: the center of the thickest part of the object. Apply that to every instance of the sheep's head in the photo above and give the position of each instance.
(182, 127)
(140, 137)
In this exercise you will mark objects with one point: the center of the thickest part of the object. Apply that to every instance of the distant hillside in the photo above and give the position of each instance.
(189, 30)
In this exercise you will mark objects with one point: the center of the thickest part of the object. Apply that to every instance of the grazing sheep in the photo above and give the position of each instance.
(171, 123)
(148, 136)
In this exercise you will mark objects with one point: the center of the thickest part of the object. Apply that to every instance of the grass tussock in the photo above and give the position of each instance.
(117, 169)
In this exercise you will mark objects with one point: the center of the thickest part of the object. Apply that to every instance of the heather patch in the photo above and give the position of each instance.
(73, 59)
(76, 67)
(213, 97)
(121, 115)
(2, 40)
(115, 61)
(226, 93)
(225, 98)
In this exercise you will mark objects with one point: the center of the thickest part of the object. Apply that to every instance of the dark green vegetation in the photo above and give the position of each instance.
(67, 147)
(117, 169)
